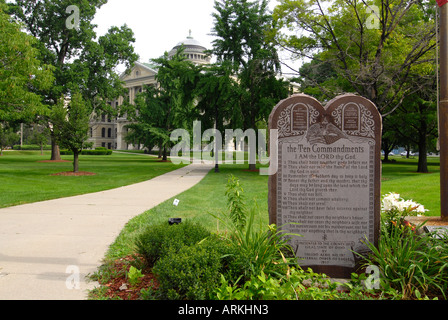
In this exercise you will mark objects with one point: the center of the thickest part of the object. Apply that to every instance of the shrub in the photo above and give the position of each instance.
(410, 262)
(158, 240)
(254, 249)
(32, 147)
(297, 284)
(413, 264)
(191, 273)
(95, 152)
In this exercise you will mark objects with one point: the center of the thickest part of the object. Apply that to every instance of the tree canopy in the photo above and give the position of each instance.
(375, 53)
(161, 109)
(71, 124)
(82, 61)
(20, 72)
(242, 38)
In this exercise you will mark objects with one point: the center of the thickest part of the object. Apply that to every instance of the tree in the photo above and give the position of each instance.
(375, 59)
(7, 137)
(81, 60)
(241, 28)
(217, 94)
(71, 125)
(20, 72)
(167, 106)
(319, 79)
(415, 123)
(40, 135)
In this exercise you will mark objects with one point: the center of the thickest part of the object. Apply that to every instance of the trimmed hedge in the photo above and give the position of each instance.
(95, 152)
(32, 147)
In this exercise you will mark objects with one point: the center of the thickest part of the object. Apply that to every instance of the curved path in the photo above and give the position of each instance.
(45, 247)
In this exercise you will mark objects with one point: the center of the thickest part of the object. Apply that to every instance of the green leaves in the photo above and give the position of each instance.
(71, 124)
(235, 200)
(254, 249)
(243, 41)
(20, 72)
(81, 60)
(134, 276)
(169, 106)
(377, 59)
(414, 264)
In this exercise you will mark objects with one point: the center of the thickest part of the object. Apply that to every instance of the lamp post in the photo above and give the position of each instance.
(443, 108)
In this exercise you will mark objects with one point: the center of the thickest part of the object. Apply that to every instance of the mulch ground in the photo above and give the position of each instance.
(68, 173)
(119, 286)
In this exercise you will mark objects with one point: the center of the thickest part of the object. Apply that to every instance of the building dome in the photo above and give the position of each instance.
(193, 50)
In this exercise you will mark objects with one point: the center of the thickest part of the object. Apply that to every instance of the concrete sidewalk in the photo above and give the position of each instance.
(44, 244)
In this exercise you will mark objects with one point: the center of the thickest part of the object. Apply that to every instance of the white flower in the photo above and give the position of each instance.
(387, 205)
(421, 209)
(402, 205)
(390, 201)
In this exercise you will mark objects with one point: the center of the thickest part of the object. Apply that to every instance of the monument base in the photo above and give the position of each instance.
(333, 271)
(429, 223)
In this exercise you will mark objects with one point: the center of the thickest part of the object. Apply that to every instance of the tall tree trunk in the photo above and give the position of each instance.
(252, 156)
(55, 154)
(165, 157)
(387, 148)
(160, 151)
(422, 148)
(75, 161)
(408, 151)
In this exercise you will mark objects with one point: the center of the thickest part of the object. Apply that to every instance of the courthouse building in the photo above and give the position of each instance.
(111, 132)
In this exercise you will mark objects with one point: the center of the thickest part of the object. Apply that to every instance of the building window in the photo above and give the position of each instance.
(103, 132)
(109, 133)
(91, 132)
(109, 145)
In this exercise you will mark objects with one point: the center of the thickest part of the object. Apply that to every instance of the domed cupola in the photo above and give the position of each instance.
(193, 50)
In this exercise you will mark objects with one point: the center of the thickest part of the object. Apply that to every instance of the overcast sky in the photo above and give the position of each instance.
(159, 25)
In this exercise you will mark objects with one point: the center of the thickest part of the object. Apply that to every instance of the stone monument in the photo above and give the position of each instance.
(327, 184)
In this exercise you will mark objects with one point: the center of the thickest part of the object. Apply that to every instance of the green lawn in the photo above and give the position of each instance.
(197, 203)
(401, 177)
(23, 179)
(209, 197)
